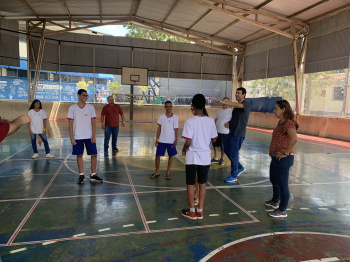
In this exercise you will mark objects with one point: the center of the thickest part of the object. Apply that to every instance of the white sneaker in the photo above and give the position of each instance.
(36, 155)
(49, 155)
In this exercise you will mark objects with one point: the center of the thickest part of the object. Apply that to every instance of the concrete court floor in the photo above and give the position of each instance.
(46, 216)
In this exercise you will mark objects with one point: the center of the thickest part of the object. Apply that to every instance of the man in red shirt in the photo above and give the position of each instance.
(110, 123)
(7, 129)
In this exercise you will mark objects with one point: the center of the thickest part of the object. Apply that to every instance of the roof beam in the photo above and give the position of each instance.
(290, 16)
(31, 9)
(248, 20)
(171, 10)
(167, 31)
(66, 7)
(135, 7)
(100, 6)
(202, 17)
(330, 13)
(237, 20)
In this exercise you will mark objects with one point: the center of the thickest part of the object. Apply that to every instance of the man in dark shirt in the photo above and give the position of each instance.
(237, 126)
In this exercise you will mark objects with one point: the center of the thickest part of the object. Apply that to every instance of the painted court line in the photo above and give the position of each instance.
(152, 221)
(129, 225)
(323, 208)
(233, 213)
(14, 154)
(127, 234)
(233, 202)
(104, 229)
(328, 259)
(214, 215)
(342, 209)
(49, 243)
(304, 208)
(14, 235)
(172, 218)
(17, 250)
(136, 197)
(79, 235)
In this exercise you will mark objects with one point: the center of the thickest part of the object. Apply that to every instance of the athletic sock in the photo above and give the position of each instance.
(81, 174)
(199, 210)
(92, 174)
(192, 209)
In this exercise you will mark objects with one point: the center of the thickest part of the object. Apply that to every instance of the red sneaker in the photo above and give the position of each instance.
(187, 213)
(199, 214)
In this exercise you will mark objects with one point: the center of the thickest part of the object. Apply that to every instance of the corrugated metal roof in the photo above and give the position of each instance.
(216, 23)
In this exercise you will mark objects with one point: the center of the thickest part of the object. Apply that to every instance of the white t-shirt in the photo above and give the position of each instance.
(200, 130)
(168, 126)
(82, 127)
(36, 123)
(223, 116)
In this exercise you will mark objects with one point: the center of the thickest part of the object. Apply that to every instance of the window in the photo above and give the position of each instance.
(339, 93)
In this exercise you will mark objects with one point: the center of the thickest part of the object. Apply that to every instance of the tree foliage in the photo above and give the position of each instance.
(139, 32)
(114, 87)
(273, 87)
(83, 84)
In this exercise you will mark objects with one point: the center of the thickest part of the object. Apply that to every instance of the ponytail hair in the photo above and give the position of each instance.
(198, 101)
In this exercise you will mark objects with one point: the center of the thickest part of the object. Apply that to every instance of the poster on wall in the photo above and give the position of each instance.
(17, 89)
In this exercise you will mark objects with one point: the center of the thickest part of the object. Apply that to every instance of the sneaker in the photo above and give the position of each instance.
(272, 204)
(240, 171)
(36, 155)
(115, 149)
(187, 213)
(199, 214)
(49, 155)
(81, 179)
(278, 213)
(230, 179)
(221, 162)
(96, 178)
(215, 160)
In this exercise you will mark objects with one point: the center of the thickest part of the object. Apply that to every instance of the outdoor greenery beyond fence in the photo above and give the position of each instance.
(322, 93)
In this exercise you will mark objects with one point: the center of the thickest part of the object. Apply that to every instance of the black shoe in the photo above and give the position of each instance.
(215, 161)
(81, 179)
(115, 149)
(106, 151)
(96, 178)
(221, 162)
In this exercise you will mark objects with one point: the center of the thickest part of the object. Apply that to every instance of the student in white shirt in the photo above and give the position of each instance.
(222, 116)
(37, 126)
(82, 131)
(166, 139)
(198, 131)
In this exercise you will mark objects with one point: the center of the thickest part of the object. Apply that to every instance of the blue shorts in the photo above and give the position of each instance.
(78, 149)
(169, 147)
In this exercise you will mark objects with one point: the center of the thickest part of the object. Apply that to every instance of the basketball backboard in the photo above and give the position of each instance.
(134, 76)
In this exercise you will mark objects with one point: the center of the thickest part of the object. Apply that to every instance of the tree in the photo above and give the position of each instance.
(139, 32)
(114, 87)
(83, 84)
(274, 87)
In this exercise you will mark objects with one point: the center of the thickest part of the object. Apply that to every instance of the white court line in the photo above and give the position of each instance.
(129, 225)
(79, 235)
(104, 229)
(214, 215)
(48, 243)
(152, 221)
(213, 253)
(323, 208)
(328, 259)
(304, 208)
(342, 209)
(14, 154)
(17, 250)
(253, 211)
(289, 209)
(172, 218)
(233, 213)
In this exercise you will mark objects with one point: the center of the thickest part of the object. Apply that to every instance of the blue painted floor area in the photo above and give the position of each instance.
(46, 216)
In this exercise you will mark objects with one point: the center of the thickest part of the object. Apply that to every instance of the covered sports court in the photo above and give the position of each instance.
(129, 217)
